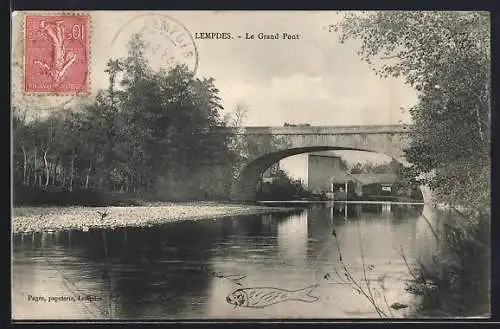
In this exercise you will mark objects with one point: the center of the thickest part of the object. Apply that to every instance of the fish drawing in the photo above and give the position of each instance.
(260, 297)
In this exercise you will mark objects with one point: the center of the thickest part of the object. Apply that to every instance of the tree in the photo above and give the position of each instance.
(445, 56)
(357, 168)
(392, 167)
(145, 125)
(167, 115)
(20, 132)
(282, 188)
(237, 141)
(248, 148)
(236, 118)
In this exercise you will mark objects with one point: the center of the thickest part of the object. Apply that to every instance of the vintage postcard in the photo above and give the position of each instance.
(195, 165)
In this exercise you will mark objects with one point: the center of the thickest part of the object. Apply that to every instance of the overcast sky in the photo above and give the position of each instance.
(314, 79)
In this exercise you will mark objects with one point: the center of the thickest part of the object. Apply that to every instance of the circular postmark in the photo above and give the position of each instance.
(168, 42)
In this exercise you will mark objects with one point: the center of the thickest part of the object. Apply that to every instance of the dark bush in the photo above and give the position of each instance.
(31, 196)
(282, 188)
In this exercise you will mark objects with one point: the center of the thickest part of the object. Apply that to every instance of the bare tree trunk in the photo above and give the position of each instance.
(35, 168)
(28, 177)
(54, 173)
(481, 135)
(47, 169)
(87, 176)
(25, 164)
(72, 172)
(64, 179)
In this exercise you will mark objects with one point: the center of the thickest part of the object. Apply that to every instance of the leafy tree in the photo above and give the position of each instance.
(167, 114)
(20, 132)
(146, 124)
(282, 188)
(445, 56)
(392, 167)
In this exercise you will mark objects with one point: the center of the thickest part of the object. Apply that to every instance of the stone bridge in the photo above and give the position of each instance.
(390, 140)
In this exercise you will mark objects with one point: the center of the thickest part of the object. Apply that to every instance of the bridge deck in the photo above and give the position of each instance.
(316, 130)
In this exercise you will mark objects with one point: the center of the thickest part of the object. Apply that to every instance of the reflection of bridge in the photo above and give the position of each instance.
(390, 140)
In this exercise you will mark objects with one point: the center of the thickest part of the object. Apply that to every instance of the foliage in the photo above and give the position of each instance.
(455, 280)
(392, 167)
(146, 124)
(248, 148)
(445, 56)
(282, 187)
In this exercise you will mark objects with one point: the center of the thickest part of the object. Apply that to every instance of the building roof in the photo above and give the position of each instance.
(367, 179)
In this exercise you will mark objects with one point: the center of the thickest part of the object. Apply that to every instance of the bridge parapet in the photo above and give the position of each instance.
(316, 130)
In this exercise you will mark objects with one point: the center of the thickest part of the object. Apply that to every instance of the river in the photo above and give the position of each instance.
(187, 269)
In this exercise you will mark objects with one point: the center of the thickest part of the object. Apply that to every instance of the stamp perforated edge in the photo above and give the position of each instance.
(88, 81)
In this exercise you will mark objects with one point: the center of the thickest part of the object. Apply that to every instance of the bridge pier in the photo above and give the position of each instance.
(245, 188)
(243, 191)
(429, 197)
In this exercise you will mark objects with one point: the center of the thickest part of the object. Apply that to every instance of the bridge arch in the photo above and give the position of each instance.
(245, 188)
(390, 140)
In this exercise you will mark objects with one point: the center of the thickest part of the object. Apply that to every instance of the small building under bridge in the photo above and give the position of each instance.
(376, 186)
(362, 186)
(327, 174)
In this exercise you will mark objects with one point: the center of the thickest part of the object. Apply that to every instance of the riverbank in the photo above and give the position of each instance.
(460, 267)
(37, 219)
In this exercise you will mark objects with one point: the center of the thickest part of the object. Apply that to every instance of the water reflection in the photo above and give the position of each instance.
(293, 239)
(181, 270)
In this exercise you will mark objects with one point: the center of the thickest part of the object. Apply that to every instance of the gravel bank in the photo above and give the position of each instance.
(37, 219)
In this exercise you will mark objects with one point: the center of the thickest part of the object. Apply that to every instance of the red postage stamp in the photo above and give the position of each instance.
(56, 54)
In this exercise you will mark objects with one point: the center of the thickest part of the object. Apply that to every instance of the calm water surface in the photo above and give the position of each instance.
(186, 270)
